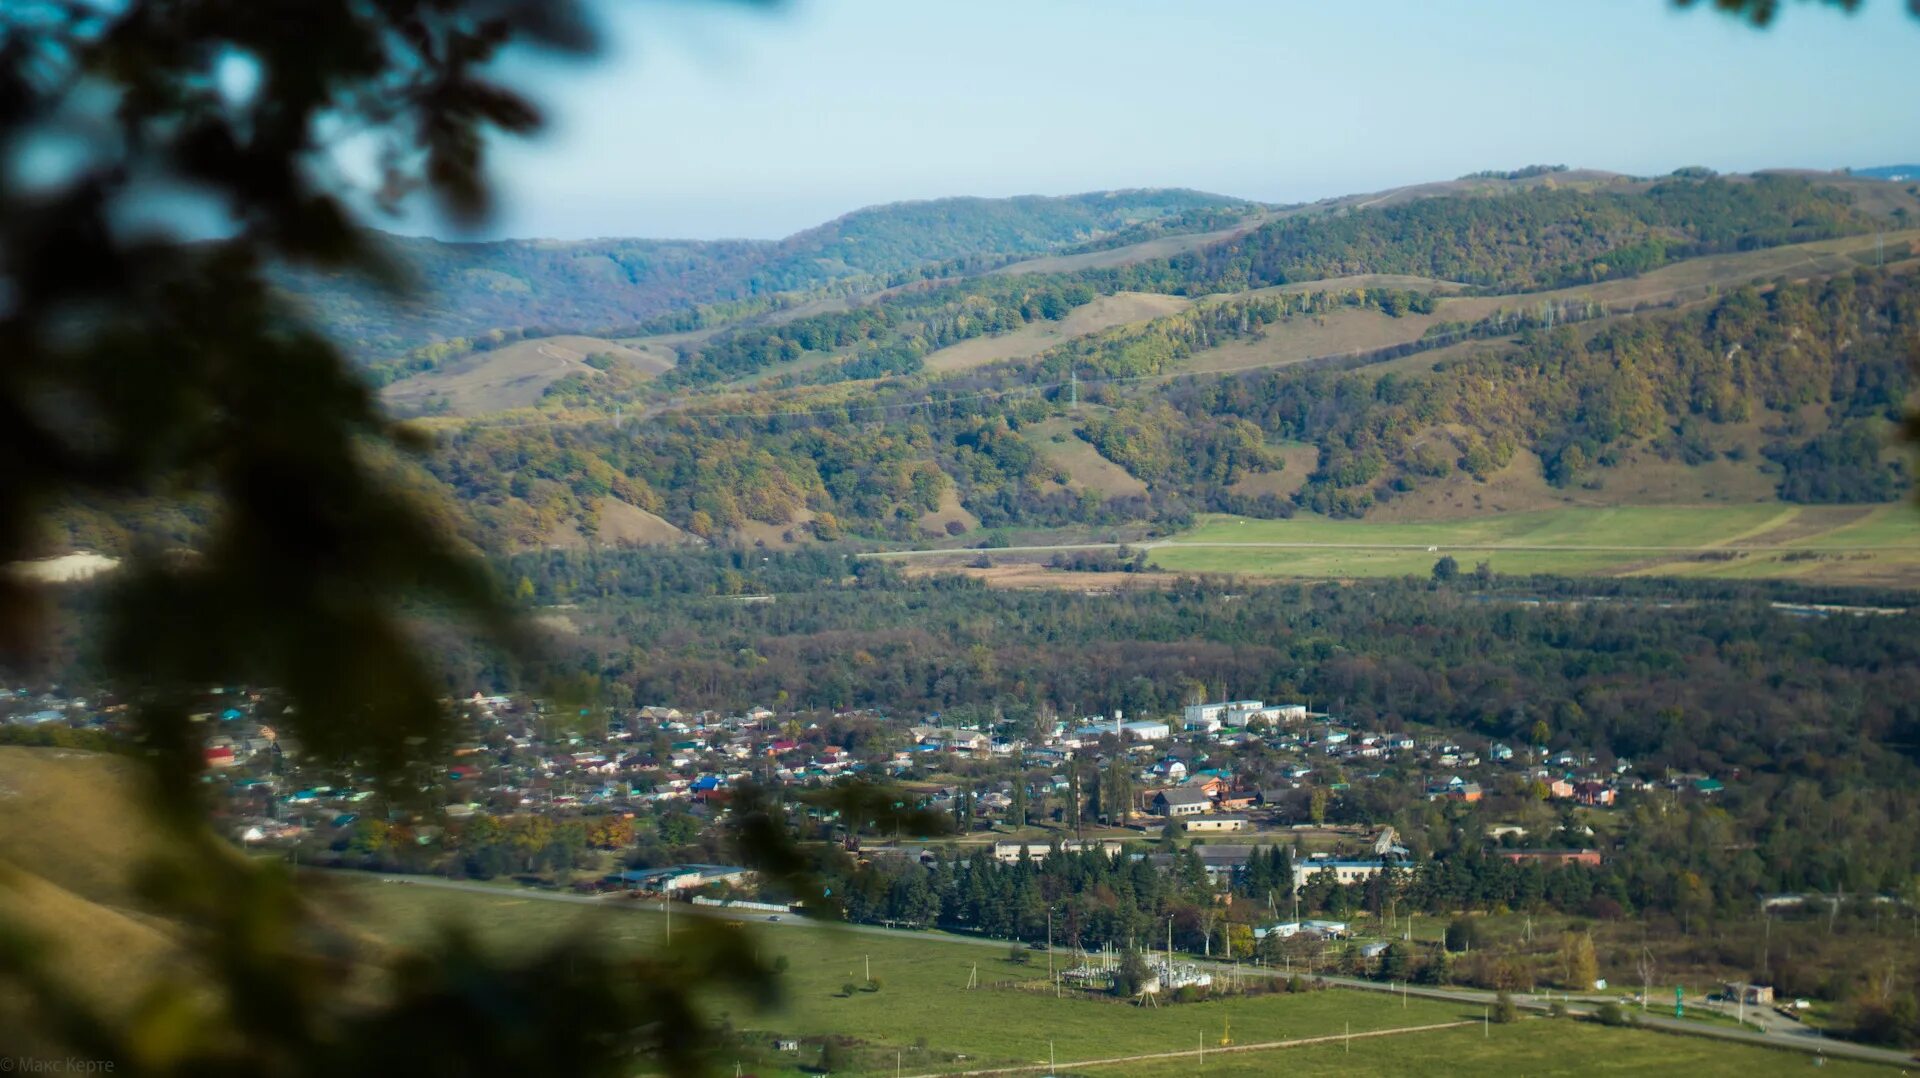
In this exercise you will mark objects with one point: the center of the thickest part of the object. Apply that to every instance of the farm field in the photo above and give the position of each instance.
(923, 990)
(1840, 544)
(925, 1021)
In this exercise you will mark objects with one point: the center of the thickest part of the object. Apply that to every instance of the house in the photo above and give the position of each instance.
(1374, 949)
(1387, 844)
(1597, 794)
(1205, 724)
(1211, 785)
(1010, 852)
(1235, 800)
(680, 877)
(953, 740)
(1211, 824)
(1331, 930)
(1284, 930)
(1560, 788)
(1224, 861)
(1181, 802)
(1753, 995)
(1454, 789)
(1343, 872)
(1552, 857)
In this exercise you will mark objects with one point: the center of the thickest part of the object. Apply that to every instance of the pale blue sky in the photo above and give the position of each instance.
(710, 121)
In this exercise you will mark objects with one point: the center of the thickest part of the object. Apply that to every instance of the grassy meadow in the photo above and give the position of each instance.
(1877, 545)
(924, 1020)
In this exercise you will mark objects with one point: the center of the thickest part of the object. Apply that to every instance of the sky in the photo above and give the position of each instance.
(714, 120)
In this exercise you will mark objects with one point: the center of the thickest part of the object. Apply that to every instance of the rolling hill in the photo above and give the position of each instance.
(1501, 342)
(467, 289)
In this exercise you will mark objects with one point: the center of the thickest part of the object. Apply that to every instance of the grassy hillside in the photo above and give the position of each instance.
(1030, 340)
(516, 375)
(72, 841)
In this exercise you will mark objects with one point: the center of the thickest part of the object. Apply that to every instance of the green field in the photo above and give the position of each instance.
(1534, 1047)
(1877, 545)
(925, 1020)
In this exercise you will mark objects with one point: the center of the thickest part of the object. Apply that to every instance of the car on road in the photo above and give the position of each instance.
(775, 917)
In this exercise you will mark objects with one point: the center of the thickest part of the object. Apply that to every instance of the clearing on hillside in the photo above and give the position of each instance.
(1030, 340)
(512, 376)
(1297, 462)
(1347, 331)
(939, 519)
(622, 524)
(1081, 465)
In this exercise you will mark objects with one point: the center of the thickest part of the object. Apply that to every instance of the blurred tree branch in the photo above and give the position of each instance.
(1762, 12)
(160, 157)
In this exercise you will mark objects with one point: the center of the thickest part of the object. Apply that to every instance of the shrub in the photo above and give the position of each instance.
(1462, 934)
(1504, 1009)
(1612, 1014)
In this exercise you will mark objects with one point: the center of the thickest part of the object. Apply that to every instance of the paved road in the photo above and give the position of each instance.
(1795, 1039)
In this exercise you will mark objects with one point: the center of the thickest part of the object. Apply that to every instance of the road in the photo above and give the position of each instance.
(1795, 1038)
(1181, 544)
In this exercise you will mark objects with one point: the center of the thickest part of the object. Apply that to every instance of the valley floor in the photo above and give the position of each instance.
(1877, 546)
(925, 1020)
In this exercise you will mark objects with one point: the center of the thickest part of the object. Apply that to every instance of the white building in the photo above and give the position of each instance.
(1009, 852)
(1344, 872)
(1136, 731)
(1210, 717)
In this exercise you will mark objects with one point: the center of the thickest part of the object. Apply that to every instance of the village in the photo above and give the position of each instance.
(1226, 779)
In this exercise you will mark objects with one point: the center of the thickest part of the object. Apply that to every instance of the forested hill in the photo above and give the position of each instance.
(1542, 237)
(902, 236)
(1798, 387)
(465, 289)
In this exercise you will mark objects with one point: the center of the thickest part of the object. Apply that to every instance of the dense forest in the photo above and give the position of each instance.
(1719, 681)
(1542, 237)
(1578, 399)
